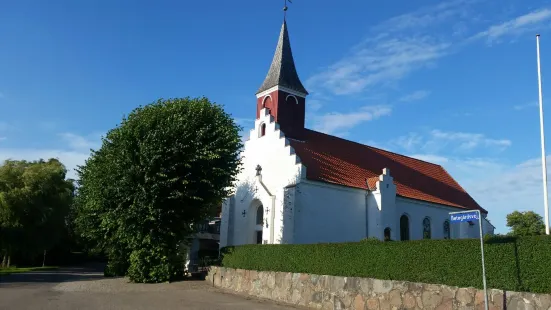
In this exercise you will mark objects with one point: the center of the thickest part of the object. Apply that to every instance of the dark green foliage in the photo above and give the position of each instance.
(35, 199)
(516, 264)
(527, 223)
(167, 166)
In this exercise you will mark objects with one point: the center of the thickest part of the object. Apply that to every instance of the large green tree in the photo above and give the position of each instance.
(527, 223)
(166, 166)
(35, 198)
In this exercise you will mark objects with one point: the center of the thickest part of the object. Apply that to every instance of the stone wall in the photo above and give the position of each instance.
(330, 292)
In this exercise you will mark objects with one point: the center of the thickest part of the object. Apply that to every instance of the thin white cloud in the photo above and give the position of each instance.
(403, 44)
(427, 16)
(431, 158)
(408, 142)
(468, 141)
(437, 141)
(526, 106)
(394, 48)
(242, 121)
(532, 21)
(416, 95)
(512, 188)
(3, 138)
(78, 142)
(379, 61)
(339, 122)
(314, 105)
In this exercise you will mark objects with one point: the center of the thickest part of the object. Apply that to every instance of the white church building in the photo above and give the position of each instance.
(301, 186)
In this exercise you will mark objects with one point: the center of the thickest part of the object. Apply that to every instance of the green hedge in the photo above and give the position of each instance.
(516, 264)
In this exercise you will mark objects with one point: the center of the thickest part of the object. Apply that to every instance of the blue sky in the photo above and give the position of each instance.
(450, 82)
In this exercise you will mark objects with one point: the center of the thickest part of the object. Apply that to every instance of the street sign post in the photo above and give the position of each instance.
(471, 216)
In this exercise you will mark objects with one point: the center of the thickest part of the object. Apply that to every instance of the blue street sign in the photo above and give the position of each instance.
(464, 217)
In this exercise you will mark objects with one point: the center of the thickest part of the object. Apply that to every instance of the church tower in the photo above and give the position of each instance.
(282, 92)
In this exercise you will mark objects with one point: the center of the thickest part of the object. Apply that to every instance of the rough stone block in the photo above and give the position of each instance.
(543, 301)
(352, 284)
(271, 280)
(336, 284)
(359, 302)
(409, 301)
(384, 304)
(446, 304)
(316, 297)
(381, 286)
(419, 300)
(415, 288)
(465, 296)
(366, 286)
(338, 304)
(431, 299)
(395, 298)
(372, 304)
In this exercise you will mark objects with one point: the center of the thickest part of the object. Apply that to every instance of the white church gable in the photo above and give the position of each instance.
(267, 149)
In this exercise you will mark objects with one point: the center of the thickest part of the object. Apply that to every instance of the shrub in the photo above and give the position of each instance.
(516, 264)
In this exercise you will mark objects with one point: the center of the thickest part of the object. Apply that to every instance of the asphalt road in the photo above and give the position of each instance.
(86, 288)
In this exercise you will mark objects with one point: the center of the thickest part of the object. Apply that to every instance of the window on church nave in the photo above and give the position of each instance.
(426, 228)
(404, 228)
(262, 132)
(446, 230)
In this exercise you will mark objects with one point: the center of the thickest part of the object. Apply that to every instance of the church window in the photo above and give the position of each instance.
(262, 132)
(387, 234)
(426, 228)
(259, 222)
(404, 228)
(267, 99)
(260, 215)
(446, 230)
(292, 96)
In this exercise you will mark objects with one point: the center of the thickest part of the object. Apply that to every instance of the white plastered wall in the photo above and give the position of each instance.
(281, 168)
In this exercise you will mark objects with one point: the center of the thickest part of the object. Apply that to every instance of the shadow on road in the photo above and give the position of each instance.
(66, 274)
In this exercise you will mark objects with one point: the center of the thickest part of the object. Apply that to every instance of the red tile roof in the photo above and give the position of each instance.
(339, 161)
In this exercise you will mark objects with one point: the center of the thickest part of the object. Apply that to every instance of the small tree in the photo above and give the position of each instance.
(527, 223)
(165, 167)
(34, 201)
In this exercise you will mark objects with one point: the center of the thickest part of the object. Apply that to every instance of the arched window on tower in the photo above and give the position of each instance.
(446, 229)
(387, 234)
(426, 228)
(262, 130)
(404, 228)
(259, 223)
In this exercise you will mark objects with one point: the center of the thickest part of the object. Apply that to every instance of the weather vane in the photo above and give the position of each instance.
(285, 8)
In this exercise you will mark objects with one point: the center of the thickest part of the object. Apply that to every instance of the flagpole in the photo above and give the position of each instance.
(543, 161)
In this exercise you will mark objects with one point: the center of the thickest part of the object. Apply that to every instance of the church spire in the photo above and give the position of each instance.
(283, 72)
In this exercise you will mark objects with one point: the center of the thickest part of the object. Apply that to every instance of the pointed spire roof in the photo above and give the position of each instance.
(283, 71)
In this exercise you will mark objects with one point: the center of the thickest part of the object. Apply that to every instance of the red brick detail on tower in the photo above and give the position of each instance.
(288, 110)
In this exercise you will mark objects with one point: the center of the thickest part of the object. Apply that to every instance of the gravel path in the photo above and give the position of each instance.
(86, 288)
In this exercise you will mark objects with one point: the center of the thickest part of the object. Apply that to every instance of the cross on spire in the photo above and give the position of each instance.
(258, 170)
(285, 8)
